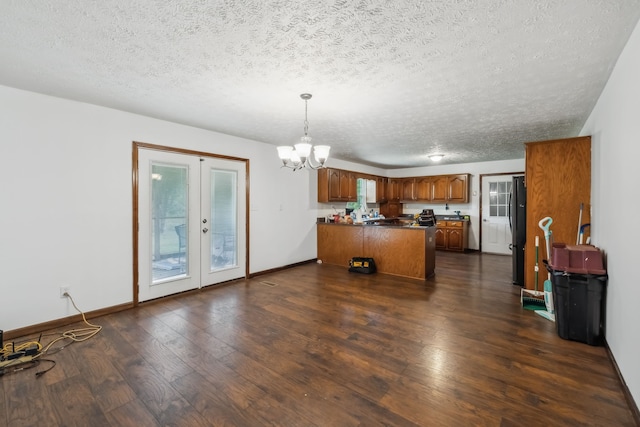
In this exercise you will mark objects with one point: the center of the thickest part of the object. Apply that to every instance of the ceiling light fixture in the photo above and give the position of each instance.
(436, 157)
(300, 156)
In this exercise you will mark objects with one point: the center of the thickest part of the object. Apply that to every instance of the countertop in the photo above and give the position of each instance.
(389, 225)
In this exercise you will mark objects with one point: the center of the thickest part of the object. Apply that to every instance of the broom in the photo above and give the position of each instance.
(533, 300)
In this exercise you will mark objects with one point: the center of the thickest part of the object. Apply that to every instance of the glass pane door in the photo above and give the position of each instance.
(169, 220)
(224, 213)
(168, 232)
(224, 217)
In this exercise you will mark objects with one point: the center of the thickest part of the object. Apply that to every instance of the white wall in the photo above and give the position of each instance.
(614, 128)
(473, 207)
(67, 203)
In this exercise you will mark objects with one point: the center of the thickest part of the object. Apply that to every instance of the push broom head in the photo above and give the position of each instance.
(532, 300)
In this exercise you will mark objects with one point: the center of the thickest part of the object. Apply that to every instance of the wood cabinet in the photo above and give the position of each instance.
(436, 189)
(394, 189)
(336, 185)
(348, 186)
(408, 189)
(418, 189)
(391, 209)
(458, 188)
(450, 189)
(439, 188)
(558, 180)
(381, 189)
(423, 188)
(452, 235)
(400, 251)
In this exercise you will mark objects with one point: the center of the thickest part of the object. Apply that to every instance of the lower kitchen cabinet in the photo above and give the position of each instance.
(452, 235)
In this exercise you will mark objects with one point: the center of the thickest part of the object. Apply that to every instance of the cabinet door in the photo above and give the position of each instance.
(352, 192)
(441, 238)
(422, 188)
(390, 209)
(334, 184)
(407, 189)
(454, 239)
(439, 188)
(393, 189)
(458, 189)
(345, 185)
(381, 189)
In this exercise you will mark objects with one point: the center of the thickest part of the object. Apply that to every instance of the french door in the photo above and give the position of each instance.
(191, 222)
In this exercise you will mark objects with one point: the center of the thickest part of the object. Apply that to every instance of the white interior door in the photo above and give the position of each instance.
(191, 222)
(496, 234)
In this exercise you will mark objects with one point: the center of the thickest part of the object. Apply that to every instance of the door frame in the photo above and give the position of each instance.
(482, 176)
(135, 185)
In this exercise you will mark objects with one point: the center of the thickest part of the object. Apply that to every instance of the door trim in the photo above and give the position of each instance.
(135, 214)
(482, 176)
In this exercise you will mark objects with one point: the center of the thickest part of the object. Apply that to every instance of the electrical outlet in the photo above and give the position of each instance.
(64, 290)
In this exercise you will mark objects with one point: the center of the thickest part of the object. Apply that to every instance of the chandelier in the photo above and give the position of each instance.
(299, 156)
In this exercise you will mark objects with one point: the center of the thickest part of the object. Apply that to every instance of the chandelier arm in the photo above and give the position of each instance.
(310, 164)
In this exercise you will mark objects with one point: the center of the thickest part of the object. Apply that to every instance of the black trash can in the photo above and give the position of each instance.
(579, 293)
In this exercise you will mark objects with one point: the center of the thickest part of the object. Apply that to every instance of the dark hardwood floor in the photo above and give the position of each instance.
(317, 346)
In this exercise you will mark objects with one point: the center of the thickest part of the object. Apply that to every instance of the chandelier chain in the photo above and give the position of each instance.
(306, 122)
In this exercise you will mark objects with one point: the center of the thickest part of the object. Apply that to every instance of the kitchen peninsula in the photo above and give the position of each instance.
(400, 250)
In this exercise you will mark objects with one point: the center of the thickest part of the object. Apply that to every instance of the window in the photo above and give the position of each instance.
(499, 198)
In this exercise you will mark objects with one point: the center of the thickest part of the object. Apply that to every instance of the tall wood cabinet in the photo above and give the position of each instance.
(558, 180)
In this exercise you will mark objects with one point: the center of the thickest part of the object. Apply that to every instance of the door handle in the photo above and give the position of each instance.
(204, 230)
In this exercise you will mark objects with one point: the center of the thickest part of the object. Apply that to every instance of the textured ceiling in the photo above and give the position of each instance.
(392, 81)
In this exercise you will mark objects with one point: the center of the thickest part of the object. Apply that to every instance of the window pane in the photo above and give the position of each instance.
(224, 233)
(499, 198)
(169, 219)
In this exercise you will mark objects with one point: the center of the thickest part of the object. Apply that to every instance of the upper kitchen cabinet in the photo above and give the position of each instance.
(417, 189)
(381, 189)
(394, 189)
(458, 188)
(450, 188)
(408, 189)
(422, 188)
(336, 185)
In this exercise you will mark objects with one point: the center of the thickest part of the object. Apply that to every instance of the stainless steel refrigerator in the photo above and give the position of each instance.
(518, 224)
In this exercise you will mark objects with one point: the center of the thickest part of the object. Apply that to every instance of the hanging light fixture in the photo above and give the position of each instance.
(299, 157)
(436, 157)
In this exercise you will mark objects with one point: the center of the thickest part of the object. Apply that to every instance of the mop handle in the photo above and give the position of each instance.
(579, 224)
(545, 224)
